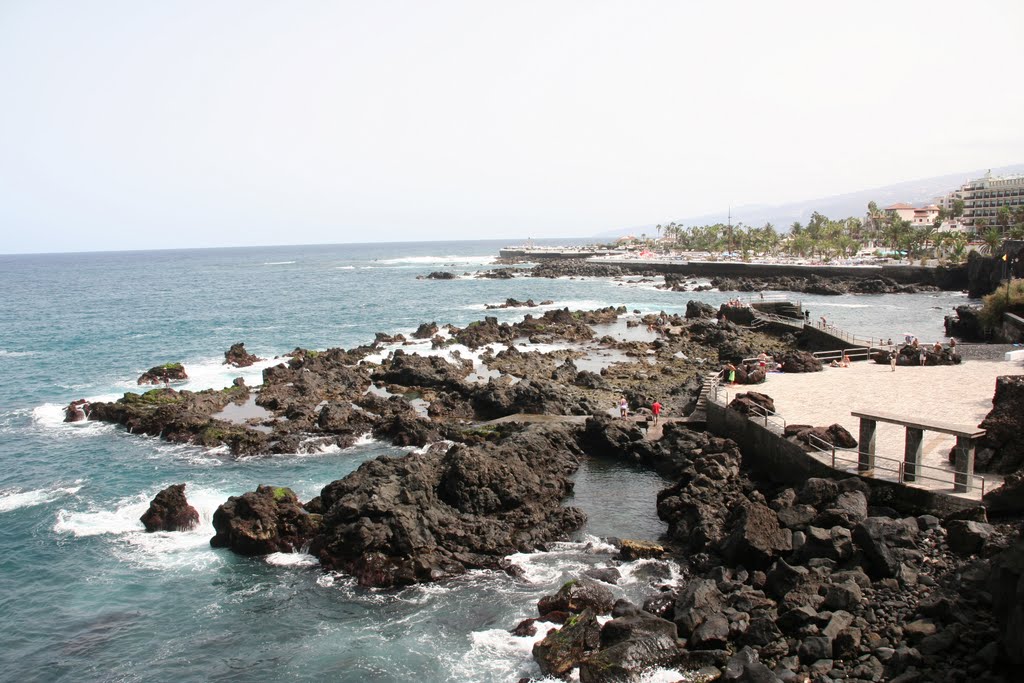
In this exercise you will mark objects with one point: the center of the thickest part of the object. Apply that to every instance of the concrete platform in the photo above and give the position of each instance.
(959, 394)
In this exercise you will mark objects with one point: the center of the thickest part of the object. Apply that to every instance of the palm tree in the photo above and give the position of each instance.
(992, 238)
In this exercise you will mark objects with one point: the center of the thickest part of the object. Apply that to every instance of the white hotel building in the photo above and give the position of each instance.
(983, 197)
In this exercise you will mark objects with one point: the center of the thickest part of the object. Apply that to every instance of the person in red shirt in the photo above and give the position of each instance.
(656, 409)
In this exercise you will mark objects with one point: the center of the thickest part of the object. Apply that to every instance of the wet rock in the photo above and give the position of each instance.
(576, 596)
(425, 331)
(423, 517)
(76, 411)
(238, 357)
(163, 374)
(267, 520)
(563, 649)
(606, 574)
(441, 275)
(170, 511)
(630, 550)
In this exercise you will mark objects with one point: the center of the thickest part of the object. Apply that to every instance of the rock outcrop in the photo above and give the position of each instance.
(396, 521)
(1004, 428)
(163, 374)
(267, 520)
(238, 357)
(170, 511)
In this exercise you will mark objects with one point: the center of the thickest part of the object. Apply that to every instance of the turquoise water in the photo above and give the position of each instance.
(86, 595)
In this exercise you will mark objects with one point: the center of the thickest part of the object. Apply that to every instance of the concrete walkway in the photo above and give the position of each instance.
(960, 394)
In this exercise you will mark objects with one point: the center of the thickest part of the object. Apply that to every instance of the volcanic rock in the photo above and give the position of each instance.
(170, 511)
(162, 374)
(799, 361)
(421, 517)
(239, 357)
(267, 520)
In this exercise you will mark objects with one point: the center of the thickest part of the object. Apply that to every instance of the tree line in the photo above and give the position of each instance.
(825, 238)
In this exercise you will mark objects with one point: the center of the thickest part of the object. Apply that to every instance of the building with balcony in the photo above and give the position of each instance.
(983, 197)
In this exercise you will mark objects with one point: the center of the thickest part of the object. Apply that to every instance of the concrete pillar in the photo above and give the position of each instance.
(866, 450)
(964, 464)
(912, 454)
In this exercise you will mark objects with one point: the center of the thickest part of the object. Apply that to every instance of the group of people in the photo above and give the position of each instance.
(624, 409)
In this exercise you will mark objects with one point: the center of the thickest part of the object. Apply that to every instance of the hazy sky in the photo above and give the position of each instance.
(127, 125)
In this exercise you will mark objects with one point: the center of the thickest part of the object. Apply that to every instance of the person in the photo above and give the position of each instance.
(807, 316)
(889, 343)
(623, 407)
(730, 373)
(834, 363)
(846, 361)
(892, 360)
(656, 409)
(824, 323)
(937, 348)
(762, 361)
(952, 344)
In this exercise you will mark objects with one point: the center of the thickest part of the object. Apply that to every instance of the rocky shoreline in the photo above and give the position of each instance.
(797, 582)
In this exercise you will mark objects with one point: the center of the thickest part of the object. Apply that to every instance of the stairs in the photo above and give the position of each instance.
(700, 411)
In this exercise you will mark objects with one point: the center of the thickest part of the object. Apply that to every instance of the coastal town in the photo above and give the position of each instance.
(978, 216)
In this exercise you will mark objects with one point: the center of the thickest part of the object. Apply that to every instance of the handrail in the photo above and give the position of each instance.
(768, 415)
(900, 464)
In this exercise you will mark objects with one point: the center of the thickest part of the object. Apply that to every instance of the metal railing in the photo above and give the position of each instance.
(899, 467)
(844, 335)
(771, 298)
(858, 353)
(770, 417)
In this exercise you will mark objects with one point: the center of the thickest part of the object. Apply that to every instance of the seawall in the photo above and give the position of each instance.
(943, 277)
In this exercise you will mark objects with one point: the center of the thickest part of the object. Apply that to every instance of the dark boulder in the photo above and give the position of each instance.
(564, 648)
(76, 411)
(267, 520)
(1006, 585)
(238, 357)
(425, 331)
(162, 374)
(756, 537)
(967, 538)
(629, 645)
(1004, 425)
(799, 361)
(441, 275)
(753, 403)
(699, 309)
(576, 596)
(170, 511)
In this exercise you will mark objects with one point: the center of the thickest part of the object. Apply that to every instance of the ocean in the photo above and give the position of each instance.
(87, 595)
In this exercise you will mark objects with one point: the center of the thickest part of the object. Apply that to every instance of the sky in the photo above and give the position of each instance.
(174, 124)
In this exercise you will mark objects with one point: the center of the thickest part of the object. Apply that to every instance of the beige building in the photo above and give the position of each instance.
(917, 216)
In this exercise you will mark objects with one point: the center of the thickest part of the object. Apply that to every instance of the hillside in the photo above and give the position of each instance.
(921, 191)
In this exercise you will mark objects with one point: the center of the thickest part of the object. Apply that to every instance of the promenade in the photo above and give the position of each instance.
(959, 394)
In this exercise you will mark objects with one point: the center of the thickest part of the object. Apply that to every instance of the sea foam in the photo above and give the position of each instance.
(14, 499)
